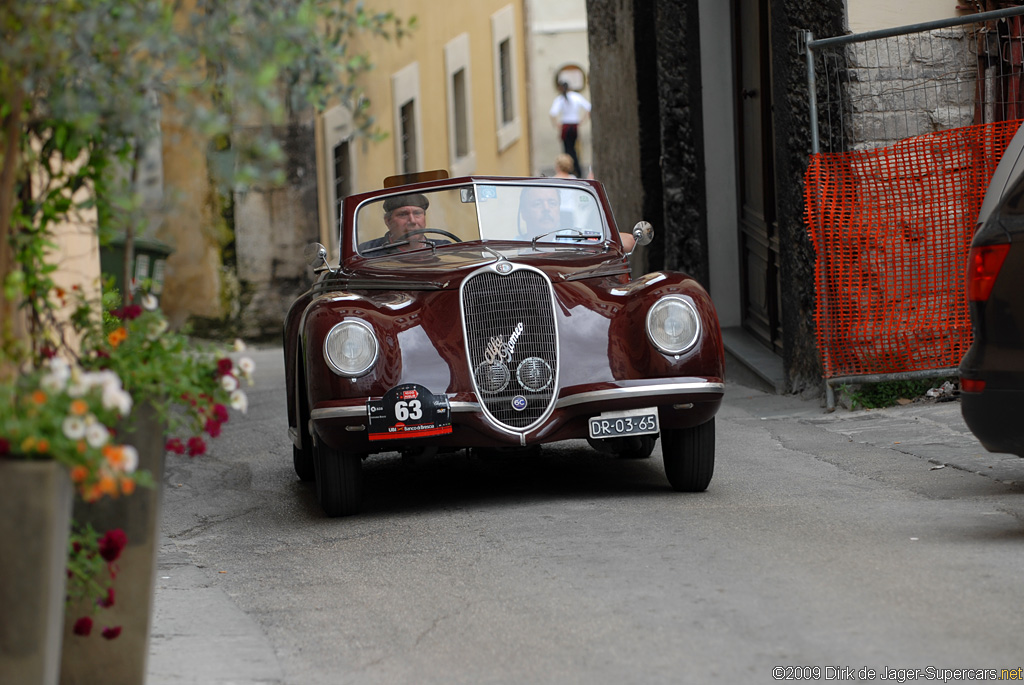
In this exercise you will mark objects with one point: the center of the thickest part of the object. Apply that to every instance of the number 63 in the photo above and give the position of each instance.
(408, 410)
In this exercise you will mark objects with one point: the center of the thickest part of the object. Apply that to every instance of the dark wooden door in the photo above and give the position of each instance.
(758, 229)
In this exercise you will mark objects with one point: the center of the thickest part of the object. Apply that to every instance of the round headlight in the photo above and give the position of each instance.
(673, 325)
(351, 348)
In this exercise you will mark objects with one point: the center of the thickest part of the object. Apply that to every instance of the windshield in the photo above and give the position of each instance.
(480, 211)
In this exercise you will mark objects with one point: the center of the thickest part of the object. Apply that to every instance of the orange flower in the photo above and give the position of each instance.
(127, 486)
(107, 485)
(78, 474)
(79, 407)
(39, 397)
(43, 445)
(81, 446)
(114, 454)
(117, 337)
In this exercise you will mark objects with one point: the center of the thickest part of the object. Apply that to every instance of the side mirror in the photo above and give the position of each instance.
(643, 233)
(315, 255)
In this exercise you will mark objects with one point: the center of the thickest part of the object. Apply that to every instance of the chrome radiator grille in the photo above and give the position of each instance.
(512, 344)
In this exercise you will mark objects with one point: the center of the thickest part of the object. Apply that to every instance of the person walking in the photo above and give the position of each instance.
(570, 109)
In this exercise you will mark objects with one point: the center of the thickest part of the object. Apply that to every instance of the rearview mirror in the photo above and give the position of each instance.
(315, 255)
(643, 233)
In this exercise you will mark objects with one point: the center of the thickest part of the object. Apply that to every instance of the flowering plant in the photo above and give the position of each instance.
(92, 569)
(166, 368)
(61, 411)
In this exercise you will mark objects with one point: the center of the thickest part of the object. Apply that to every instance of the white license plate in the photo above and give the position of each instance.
(612, 424)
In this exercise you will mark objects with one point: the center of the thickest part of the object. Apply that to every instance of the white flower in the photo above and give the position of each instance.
(239, 401)
(239, 345)
(156, 329)
(51, 382)
(131, 458)
(96, 434)
(60, 368)
(116, 398)
(103, 379)
(246, 366)
(229, 382)
(73, 427)
(150, 302)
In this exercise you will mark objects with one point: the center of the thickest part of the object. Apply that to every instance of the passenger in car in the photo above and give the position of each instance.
(540, 212)
(539, 209)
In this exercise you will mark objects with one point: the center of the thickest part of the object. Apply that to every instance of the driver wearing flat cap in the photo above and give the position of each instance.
(404, 215)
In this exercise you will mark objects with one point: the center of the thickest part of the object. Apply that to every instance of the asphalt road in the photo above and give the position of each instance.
(811, 548)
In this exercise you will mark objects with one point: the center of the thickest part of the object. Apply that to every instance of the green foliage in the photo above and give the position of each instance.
(887, 393)
(85, 84)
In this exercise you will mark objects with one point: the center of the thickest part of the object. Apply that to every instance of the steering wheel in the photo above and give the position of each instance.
(421, 231)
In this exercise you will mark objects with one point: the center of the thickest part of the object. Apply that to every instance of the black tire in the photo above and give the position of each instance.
(339, 481)
(302, 458)
(689, 456)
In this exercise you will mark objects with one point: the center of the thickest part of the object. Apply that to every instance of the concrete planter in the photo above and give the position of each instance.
(122, 661)
(35, 520)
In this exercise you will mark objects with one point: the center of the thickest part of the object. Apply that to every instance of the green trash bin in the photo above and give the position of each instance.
(150, 262)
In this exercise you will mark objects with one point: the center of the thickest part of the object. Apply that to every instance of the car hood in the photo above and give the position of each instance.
(447, 265)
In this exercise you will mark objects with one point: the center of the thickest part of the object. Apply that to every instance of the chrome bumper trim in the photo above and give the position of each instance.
(359, 411)
(639, 391)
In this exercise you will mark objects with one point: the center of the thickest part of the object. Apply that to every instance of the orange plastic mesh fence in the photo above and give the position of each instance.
(891, 228)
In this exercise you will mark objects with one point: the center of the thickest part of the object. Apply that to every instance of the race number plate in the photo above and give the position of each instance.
(612, 424)
(408, 411)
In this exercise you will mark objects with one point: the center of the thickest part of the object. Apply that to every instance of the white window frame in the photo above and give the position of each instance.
(337, 128)
(502, 29)
(456, 58)
(405, 87)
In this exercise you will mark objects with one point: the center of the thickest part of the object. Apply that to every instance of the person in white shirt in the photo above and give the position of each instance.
(570, 109)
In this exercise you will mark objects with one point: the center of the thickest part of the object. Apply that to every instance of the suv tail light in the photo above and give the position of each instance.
(983, 265)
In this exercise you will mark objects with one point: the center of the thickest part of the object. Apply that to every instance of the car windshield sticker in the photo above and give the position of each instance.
(486, 193)
(408, 411)
(498, 350)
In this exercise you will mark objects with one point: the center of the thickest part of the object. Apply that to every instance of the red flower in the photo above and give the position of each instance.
(220, 412)
(128, 312)
(83, 626)
(196, 446)
(224, 366)
(112, 543)
(176, 445)
(213, 428)
(5, 446)
(111, 633)
(48, 352)
(108, 601)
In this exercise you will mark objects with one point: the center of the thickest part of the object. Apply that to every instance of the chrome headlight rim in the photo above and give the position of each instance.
(697, 329)
(334, 365)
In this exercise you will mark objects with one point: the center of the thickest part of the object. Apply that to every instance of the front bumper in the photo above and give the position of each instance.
(682, 402)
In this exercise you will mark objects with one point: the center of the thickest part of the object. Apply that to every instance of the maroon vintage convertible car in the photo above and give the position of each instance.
(487, 312)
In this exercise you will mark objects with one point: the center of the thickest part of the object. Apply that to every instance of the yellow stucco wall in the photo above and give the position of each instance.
(870, 15)
(426, 46)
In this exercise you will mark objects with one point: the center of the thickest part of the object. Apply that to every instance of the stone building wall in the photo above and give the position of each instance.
(272, 227)
(908, 85)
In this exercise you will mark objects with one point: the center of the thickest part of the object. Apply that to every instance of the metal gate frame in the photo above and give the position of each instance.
(809, 44)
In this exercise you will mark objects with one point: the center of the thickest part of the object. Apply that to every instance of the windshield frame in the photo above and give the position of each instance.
(483, 191)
